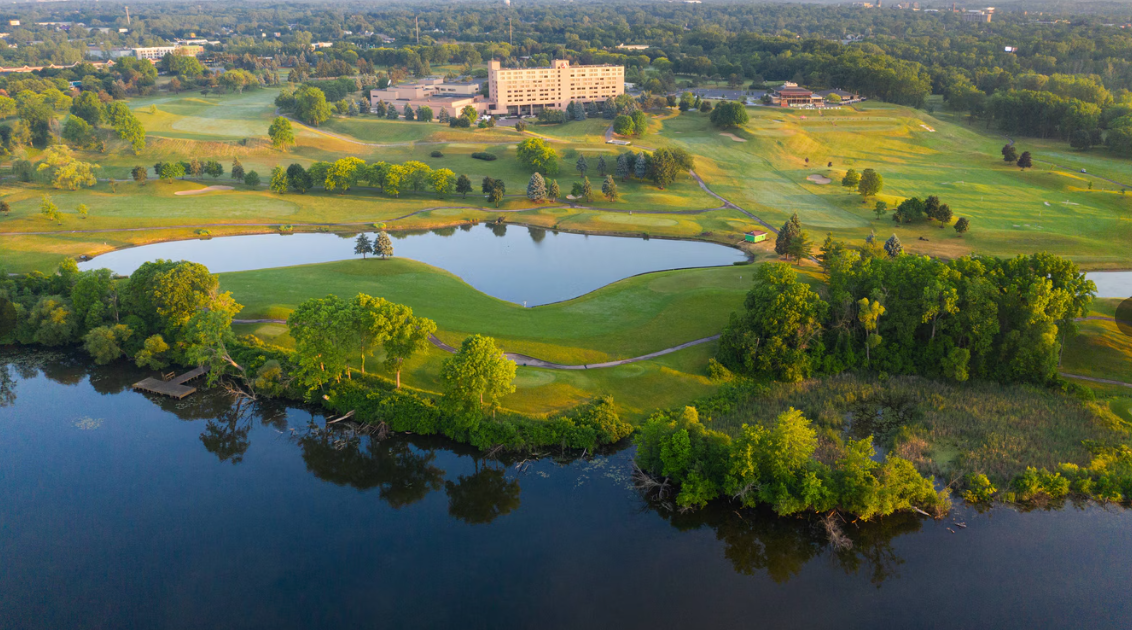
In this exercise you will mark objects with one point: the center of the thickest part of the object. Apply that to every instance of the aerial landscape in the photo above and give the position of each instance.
(545, 313)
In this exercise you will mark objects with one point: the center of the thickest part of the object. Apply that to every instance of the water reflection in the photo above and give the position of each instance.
(402, 474)
(758, 541)
(483, 496)
(537, 234)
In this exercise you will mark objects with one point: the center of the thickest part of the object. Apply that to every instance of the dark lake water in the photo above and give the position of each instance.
(513, 263)
(122, 511)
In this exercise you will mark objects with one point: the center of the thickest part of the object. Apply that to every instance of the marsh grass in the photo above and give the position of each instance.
(948, 429)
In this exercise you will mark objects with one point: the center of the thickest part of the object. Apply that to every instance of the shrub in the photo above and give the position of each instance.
(979, 489)
(436, 154)
(1037, 484)
(485, 156)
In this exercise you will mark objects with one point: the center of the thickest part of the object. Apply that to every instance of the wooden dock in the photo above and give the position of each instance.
(174, 387)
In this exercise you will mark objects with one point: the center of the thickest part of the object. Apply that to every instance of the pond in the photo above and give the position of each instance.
(122, 511)
(1112, 284)
(514, 263)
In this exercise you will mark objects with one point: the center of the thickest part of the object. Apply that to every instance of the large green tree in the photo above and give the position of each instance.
(476, 378)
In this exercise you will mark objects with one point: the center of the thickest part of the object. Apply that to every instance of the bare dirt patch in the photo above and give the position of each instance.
(819, 179)
(732, 136)
(199, 191)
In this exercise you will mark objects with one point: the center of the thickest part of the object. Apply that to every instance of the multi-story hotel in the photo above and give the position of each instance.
(531, 90)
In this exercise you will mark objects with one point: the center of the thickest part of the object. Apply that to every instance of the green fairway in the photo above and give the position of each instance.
(633, 317)
(1011, 211)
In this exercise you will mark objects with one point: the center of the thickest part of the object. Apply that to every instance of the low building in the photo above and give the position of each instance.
(434, 93)
(755, 236)
(976, 16)
(791, 95)
(845, 96)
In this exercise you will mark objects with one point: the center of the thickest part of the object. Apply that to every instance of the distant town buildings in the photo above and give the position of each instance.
(156, 53)
(633, 46)
(976, 16)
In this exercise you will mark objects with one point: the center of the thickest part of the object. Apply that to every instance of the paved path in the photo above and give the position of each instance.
(524, 360)
(1096, 380)
(729, 204)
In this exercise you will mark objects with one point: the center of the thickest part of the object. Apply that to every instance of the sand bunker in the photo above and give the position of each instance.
(928, 128)
(819, 179)
(732, 136)
(202, 190)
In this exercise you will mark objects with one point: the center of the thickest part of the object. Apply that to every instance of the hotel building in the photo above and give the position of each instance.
(519, 91)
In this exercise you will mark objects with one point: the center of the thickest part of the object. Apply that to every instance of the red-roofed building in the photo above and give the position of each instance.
(790, 95)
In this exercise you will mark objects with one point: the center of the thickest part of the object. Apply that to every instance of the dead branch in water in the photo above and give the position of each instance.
(837, 538)
(649, 485)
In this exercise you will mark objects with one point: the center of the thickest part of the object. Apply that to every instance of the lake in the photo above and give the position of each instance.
(1112, 284)
(122, 511)
(514, 263)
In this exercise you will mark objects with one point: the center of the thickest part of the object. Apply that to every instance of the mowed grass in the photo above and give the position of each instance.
(629, 318)
(1011, 211)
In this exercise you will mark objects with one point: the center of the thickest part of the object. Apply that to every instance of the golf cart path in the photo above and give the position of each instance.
(527, 361)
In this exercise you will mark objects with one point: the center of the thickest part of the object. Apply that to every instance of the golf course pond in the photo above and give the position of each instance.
(122, 510)
(514, 263)
(1112, 284)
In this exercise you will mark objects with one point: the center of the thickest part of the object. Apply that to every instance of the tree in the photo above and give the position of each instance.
(622, 166)
(251, 179)
(83, 210)
(641, 166)
(962, 225)
(311, 106)
(320, 327)
(5, 209)
(729, 114)
(495, 195)
(213, 168)
(140, 174)
(537, 155)
(464, 185)
(79, 134)
(602, 167)
(552, 190)
(469, 114)
(405, 336)
(49, 210)
(343, 174)
(443, 181)
(1009, 154)
(152, 354)
(943, 214)
(880, 209)
(297, 178)
(362, 246)
(851, 179)
(408, 113)
(89, 108)
(623, 125)
(871, 183)
(687, 101)
(640, 123)
(281, 133)
(705, 106)
(790, 231)
(609, 188)
(65, 171)
(779, 332)
(893, 247)
(663, 167)
(171, 170)
(104, 344)
(383, 245)
(391, 112)
(237, 170)
(868, 313)
(477, 377)
(536, 188)
(581, 166)
(424, 113)
(1025, 161)
(800, 247)
(278, 182)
